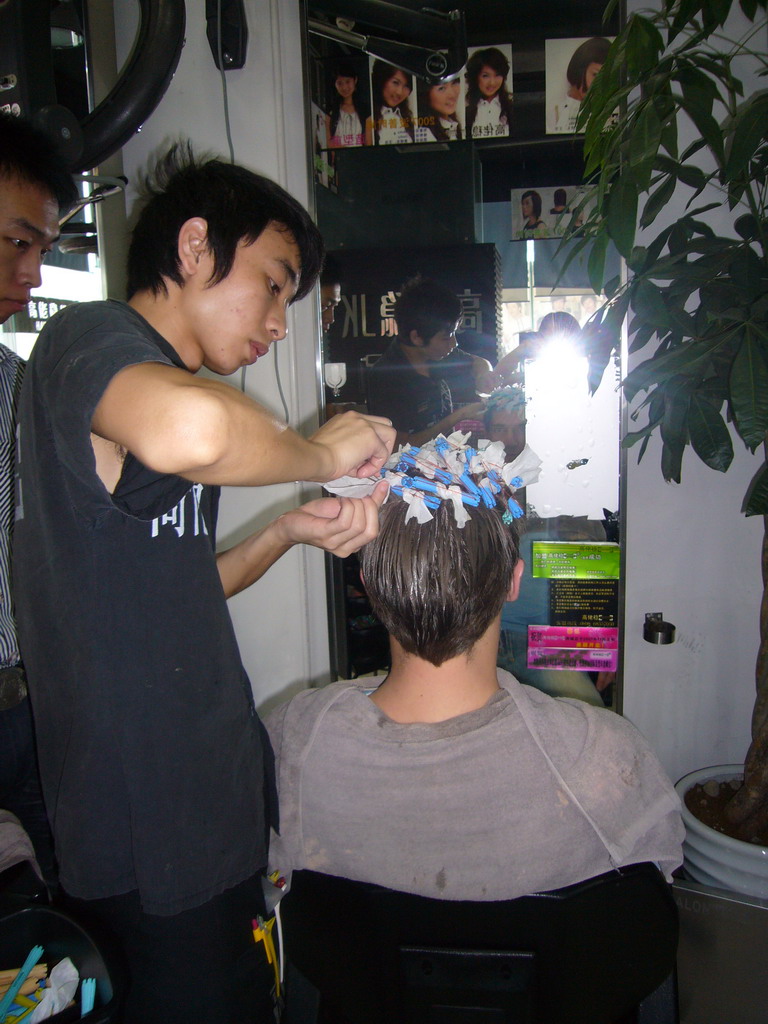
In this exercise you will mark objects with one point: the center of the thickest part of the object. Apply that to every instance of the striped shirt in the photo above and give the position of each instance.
(11, 372)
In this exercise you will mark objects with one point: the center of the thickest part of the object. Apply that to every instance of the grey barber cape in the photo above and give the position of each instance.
(526, 794)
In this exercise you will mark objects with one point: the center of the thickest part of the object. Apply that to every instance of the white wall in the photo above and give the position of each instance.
(694, 557)
(281, 621)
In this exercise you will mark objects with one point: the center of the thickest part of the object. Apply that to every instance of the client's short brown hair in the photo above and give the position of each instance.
(436, 587)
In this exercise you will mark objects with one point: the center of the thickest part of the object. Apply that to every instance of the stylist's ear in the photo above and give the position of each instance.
(193, 244)
(517, 575)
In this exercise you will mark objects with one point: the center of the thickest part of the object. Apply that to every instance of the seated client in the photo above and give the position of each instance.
(447, 777)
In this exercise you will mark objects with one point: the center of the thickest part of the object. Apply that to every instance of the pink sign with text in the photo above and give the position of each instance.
(583, 648)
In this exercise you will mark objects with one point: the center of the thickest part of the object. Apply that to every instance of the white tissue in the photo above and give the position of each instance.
(417, 508)
(527, 466)
(63, 981)
(352, 486)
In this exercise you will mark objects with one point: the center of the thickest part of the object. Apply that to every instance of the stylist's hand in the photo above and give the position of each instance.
(355, 444)
(339, 525)
(473, 411)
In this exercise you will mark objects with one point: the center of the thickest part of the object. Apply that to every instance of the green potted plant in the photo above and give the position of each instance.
(698, 299)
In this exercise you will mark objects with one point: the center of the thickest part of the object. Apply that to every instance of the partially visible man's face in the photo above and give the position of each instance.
(441, 344)
(330, 297)
(508, 426)
(29, 224)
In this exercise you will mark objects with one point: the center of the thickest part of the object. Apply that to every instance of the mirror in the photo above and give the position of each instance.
(475, 195)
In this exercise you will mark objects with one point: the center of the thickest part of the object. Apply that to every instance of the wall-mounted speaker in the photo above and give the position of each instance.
(227, 32)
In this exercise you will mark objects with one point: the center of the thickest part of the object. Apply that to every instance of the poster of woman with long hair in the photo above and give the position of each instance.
(488, 91)
(349, 102)
(392, 120)
(440, 111)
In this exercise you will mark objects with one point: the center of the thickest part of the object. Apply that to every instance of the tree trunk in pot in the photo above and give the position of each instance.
(749, 807)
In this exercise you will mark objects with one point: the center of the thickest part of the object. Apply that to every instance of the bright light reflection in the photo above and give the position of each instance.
(561, 362)
(567, 425)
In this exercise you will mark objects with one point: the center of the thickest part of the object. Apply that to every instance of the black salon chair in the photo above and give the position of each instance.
(598, 952)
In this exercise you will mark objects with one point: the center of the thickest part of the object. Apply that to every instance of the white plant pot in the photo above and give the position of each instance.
(713, 858)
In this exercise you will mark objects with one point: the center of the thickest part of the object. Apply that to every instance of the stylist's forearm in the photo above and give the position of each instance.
(246, 562)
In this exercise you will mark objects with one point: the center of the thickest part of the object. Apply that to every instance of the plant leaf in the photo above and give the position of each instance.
(601, 344)
(747, 226)
(748, 131)
(674, 422)
(697, 87)
(756, 500)
(748, 273)
(709, 434)
(615, 313)
(611, 286)
(622, 216)
(707, 126)
(655, 412)
(644, 45)
(684, 12)
(648, 303)
(596, 263)
(715, 12)
(692, 176)
(692, 150)
(657, 201)
(672, 461)
(749, 391)
(646, 136)
(641, 336)
(686, 360)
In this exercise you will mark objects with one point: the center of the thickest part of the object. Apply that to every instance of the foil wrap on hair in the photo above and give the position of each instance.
(448, 469)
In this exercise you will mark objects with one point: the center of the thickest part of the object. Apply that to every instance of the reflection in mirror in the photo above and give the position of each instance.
(575, 433)
(456, 212)
(335, 376)
(562, 633)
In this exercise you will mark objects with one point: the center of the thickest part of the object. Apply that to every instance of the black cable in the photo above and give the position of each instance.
(232, 160)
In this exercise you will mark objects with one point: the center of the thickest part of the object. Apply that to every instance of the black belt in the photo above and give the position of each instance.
(13, 687)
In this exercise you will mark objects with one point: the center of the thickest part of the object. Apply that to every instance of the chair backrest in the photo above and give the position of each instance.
(19, 871)
(585, 954)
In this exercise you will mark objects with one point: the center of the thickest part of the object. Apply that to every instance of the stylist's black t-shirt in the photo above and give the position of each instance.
(154, 764)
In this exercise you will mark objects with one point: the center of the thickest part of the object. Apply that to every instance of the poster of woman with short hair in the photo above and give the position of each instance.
(570, 69)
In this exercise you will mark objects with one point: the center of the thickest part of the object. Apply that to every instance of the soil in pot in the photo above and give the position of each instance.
(707, 802)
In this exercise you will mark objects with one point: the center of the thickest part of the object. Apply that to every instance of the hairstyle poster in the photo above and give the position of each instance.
(488, 91)
(544, 212)
(570, 67)
(393, 105)
(346, 99)
(440, 111)
(322, 160)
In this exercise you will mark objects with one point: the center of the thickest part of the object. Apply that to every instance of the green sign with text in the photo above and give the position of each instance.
(575, 560)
